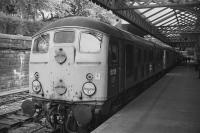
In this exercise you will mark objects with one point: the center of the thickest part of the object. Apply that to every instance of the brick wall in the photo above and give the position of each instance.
(14, 61)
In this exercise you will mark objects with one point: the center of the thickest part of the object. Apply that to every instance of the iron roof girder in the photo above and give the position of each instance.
(179, 29)
(128, 13)
(131, 16)
(160, 3)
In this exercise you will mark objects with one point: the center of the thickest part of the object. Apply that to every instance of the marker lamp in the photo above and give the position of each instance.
(60, 87)
(60, 56)
(36, 86)
(89, 76)
(60, 90)
(89, 88)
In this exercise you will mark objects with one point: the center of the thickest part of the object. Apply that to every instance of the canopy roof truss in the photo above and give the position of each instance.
(171, 21)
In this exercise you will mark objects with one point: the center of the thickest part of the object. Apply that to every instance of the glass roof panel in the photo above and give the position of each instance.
(147, 14)
(165, 21)
(170, 22)
(159, 14)
(175, 23)
(162, 17)
(143, 10)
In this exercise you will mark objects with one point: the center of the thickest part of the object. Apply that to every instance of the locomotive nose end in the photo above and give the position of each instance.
(28, 107)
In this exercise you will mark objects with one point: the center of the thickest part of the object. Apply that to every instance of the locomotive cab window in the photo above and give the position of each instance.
(41, 44)
(64, 37)
(90, 42)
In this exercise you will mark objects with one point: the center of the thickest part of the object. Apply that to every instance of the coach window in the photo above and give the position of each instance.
(90, 42)
(64, 37)
(41, 44)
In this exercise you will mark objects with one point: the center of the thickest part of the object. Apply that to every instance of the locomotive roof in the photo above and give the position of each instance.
(83, 22)
(97, 25)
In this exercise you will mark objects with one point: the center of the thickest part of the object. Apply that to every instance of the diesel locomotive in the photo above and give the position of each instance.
(81, 69)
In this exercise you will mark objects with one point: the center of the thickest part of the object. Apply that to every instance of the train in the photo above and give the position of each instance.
(81, 69)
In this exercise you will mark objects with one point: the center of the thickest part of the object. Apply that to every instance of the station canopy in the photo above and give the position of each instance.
(175, 22)
(172, 20)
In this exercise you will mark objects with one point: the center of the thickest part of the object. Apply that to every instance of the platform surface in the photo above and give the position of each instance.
(171, 105)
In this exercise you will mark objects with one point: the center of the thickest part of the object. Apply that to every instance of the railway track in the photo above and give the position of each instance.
(13, 97)
(12, 119)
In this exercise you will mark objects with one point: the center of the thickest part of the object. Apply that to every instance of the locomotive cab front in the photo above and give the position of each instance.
(68, 72)
(69, 64)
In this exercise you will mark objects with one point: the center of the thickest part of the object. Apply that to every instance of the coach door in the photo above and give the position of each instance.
(113, 68)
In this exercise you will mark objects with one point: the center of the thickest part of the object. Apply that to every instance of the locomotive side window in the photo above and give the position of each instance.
(64, 37)
(114, 52)
(139, 55)
(151, 55)
(145, 56)
(41, 44)
(90, 42)
(129, 60)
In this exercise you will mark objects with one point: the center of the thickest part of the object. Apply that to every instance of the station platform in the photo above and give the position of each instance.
(171, 105)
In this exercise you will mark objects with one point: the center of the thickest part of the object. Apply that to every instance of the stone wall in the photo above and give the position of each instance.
(14, 61)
